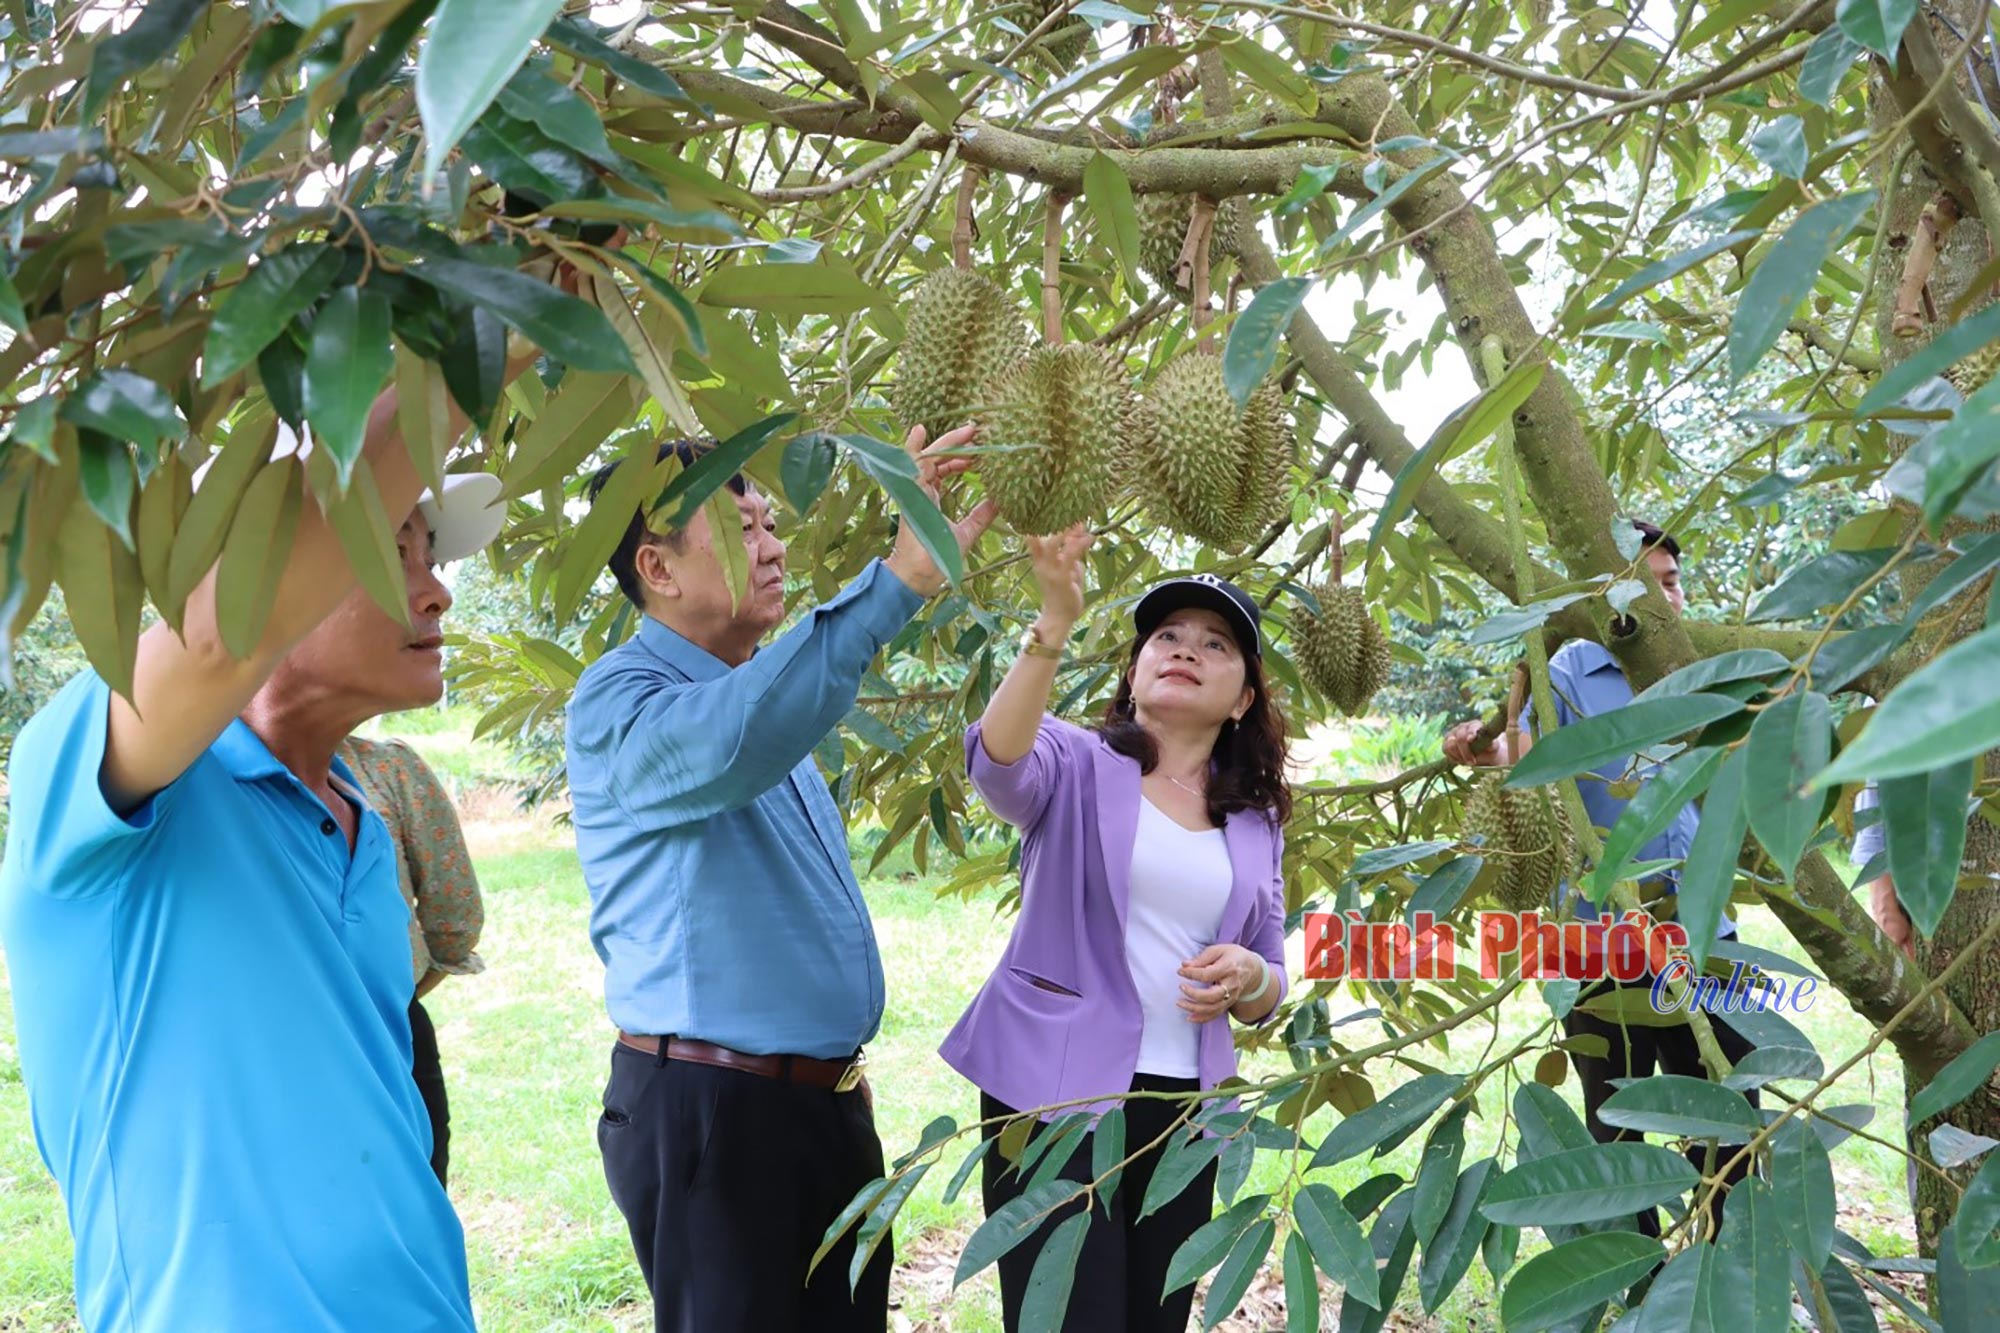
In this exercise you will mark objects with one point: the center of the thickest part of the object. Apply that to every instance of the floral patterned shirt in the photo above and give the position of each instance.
(432, 862)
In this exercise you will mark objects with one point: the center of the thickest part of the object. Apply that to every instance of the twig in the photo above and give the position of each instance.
(962, 230)
(921, 137)
(1914, 310)
(1052, 330)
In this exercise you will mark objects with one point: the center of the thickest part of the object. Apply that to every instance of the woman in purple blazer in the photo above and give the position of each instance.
(1152, 912)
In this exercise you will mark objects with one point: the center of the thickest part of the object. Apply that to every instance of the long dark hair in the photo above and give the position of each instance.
(1249, 755)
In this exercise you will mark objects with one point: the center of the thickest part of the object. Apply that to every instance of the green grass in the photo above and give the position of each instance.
(526, 1046)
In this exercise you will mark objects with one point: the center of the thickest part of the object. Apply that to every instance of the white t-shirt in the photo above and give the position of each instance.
(1180, 886)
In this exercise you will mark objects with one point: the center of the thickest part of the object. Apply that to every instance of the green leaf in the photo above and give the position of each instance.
(1976, 560)
(34, 430)
(571, 36)
(1851, 654)
(368, 536)
(631, 484)
(1786, 277)
(1401, 1111)
(1594, 1184)
(1561, 1283)
(104, 466)
(1938, 355)
(684, 224)
(965, 1170)
(1822, 581)
(1961, 452)
(1499, 1250)
(1653, 274)
(1337, 1243)
(1211, 1243)
(893, 471)
(1013, 1223)
(104, 593)
(151, 38)
(1225, 1293)
(1681, 1106)
(582, 415)
(474, 362)
(1443, 889)
(559, 114)
(1399, 187)
(1802, 1190)
(1049, 1283)
(1660, 800)
(875, 1229)
(1513, 624)
(1548, 1125)
(1968, 1298)
(1253, 339)
(348, 364)
(254, 555)
(1107, 1151)
(1474, 423)
(1449, 1256)
(1630, 330)
(1827, 61)
(806, 467)
(1978, 1218)
(473, 48)
(1876, 24)
(1957, 1080)
(277, 289)
(1789, 742)
(11, 312)
(125, 406)
(1603, 738)
(1753, 1243)
(1781, 145)
(524, 159)
(1437, 1174)
(1923, 818)
(713, 469)
(1768, 1064)
(1710, 869)
(863, 1200)
(1945, 712)
(572, 331)
(1179, 1163)
(30, 145)
(1310, 185)
(1302, 1286)
(1393, 1242)
(790, 289)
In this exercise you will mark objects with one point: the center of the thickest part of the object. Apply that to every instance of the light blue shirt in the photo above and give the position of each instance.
(1587, 681)
(722, 900)
(212, 1000)
(1872, 841)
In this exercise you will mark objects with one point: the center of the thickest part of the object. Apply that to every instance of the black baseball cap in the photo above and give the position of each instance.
(1209, 592)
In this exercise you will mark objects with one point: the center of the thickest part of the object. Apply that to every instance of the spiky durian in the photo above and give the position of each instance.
(1528, 844)
(1065, 41)
(1341, 651)
(1969, 374)
(962, 332)
(1204, 468)
(1163, 225)
(1054, 422)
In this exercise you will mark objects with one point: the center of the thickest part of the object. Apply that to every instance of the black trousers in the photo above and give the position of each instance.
(1124, 1261)
(728, 1181)
(1638, 1052)
(429, 1072)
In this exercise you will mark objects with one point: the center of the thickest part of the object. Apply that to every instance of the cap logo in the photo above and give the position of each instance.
(1209, 579)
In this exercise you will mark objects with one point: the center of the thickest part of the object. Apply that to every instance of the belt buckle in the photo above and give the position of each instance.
(850, 1077)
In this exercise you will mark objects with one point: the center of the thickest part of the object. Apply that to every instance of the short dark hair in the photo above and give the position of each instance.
(623, 563)
(1652, 534)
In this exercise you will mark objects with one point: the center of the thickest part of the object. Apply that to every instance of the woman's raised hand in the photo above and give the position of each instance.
(1058, 564)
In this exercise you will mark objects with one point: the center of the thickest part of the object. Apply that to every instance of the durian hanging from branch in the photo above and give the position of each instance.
(1341, 651)
(1528, 845)
(1203, 467)
(1052, 422)
(962, 332)
(1165, 221)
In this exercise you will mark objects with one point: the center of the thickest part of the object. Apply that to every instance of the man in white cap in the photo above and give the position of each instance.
(233, 1159)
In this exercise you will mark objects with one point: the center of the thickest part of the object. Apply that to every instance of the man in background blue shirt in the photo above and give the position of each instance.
(740, 964)
(234, 1159)
(1587, 680)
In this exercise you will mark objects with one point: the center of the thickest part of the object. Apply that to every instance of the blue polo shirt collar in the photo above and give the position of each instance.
(245, 755)
(1594, 657)
(680, 652)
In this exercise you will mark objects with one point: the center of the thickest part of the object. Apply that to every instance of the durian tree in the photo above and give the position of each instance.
(1150, 243)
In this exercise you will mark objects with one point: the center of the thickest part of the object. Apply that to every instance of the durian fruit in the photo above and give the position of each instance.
(1528, 844)
(962, 331)
(1064, 42)
(1342, 652)
(1203, 468)
(1163, 225)
(1054, 422)
(1969, 374)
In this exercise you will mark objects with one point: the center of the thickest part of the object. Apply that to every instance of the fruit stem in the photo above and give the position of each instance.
(1194, 260)
(1339, 550)
(961, 227)
(1052, 331)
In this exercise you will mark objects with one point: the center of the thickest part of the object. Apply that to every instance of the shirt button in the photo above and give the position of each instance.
(327, 826)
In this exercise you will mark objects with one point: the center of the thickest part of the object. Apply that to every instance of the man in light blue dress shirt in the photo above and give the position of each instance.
(1587, 680)
(740, 964)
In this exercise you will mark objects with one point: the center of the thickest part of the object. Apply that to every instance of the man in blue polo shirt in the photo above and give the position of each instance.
(230, 1158)
(1586, 681)
(740, 964)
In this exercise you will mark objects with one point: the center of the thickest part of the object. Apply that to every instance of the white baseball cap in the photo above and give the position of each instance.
(465, 514)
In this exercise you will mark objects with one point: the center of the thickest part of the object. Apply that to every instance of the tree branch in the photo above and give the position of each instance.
(1973, 136)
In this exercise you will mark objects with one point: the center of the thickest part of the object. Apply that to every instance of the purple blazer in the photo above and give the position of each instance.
(1076, 802)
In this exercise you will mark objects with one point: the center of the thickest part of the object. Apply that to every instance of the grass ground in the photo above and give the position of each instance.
(525, 1048)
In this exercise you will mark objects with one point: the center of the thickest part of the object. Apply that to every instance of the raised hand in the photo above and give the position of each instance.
(909, 561)
(1057, 561)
